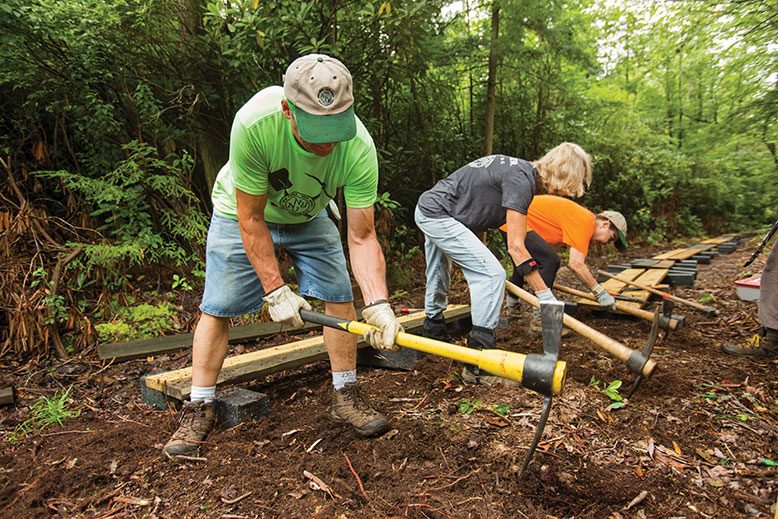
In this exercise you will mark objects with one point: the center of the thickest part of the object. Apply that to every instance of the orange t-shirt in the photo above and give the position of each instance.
(560, 220)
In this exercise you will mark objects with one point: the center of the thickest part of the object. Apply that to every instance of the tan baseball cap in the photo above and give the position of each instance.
(618, 221)
(318, 89)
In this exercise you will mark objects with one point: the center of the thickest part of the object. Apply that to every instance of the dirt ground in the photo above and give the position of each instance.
(696, 440)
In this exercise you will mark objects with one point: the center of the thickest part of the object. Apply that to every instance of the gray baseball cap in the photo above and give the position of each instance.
(618, 221)
(318, 89)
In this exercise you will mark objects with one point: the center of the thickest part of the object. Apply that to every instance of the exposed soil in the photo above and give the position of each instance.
(693, 438)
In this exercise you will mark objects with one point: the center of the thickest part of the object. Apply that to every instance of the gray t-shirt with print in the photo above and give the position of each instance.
(478, 195)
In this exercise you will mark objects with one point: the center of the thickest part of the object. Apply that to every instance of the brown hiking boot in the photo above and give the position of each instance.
(196, 421)
(348, 405)
(759, 347)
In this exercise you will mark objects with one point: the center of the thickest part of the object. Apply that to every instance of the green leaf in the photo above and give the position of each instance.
(768, 462)
(707, 298)
(615, 405)
(502, 409)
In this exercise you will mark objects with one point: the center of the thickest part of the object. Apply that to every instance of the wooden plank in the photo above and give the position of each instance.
(6, 395)
(682, 254)
(720, 239)
(668, 255)
(121, 351)
(272, 360)
(653, 263)
(688, 252)
(650, 278)
(614, 286)
(691, 251)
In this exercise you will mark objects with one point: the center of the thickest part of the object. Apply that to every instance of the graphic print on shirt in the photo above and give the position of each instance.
(485, 162)
(293, 202)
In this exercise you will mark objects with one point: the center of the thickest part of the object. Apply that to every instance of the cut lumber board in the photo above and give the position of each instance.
(692, 251)
(649, 278)
(653, 263)
(614, 286)
(683, 254)
(255, 364)
(720, 239)
(121, 351)
(668, 255)
(6, 395)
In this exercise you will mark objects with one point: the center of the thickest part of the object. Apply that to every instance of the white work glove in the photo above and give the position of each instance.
(284, 306)
(381, 316)
(545, 295)
(603, 297)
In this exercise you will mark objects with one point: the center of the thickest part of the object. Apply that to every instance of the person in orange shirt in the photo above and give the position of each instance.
(554, 220)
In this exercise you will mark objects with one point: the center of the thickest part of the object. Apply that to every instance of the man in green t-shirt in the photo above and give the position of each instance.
(291, 148)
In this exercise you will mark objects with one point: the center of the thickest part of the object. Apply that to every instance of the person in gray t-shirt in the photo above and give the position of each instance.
(479, 196)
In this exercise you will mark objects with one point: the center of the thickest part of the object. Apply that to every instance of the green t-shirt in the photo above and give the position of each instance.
(266, 158)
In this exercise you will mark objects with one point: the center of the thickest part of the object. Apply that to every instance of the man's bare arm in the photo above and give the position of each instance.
(367, 259)
(577, 264)
(517, 233)
(256, 239)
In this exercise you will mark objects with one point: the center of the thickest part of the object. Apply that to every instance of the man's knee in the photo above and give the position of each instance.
(496, 277)
(345, 310)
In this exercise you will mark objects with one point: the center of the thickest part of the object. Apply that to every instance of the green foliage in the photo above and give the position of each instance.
(141, 321)
(126, 107)
(467, 405)
(145, 207)
(181, 282)
(502, 409)
(384, 201)
(707, 299)
(46, 412)
(611, 391)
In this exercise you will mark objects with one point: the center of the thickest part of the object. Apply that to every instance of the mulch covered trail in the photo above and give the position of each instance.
(695, 441)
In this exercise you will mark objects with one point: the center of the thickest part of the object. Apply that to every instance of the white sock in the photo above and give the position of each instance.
(341, 379)
(206, 394)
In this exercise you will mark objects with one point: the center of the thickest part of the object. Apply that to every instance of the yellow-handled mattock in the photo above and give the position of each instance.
(543, 373)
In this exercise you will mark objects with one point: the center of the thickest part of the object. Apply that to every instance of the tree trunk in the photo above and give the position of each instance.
(492, 79)
(680, 98)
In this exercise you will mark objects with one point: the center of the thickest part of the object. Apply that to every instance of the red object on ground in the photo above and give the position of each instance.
(748, 289)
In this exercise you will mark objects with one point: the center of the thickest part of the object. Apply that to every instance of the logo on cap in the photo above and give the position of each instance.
(326, 97)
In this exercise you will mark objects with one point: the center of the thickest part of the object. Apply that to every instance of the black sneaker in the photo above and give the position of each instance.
(435, 328)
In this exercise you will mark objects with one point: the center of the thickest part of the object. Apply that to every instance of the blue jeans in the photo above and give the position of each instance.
(447, 241)
(232, 287)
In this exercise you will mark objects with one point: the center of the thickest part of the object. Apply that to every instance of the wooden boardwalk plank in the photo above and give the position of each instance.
(668, 255)
(614, 286)
(121, 351)
(650, 278)
(721, 239)
(272, 360)
(691, 251)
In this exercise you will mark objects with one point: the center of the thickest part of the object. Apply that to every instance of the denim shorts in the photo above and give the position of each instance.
(232, 287)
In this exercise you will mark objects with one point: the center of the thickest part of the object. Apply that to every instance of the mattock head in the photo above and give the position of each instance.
(646, 352)
(539, 369)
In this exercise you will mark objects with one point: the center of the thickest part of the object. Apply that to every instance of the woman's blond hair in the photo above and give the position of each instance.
(566, 169)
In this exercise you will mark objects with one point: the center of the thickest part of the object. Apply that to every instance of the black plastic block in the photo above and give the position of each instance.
(403, 359)
(236, 405)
